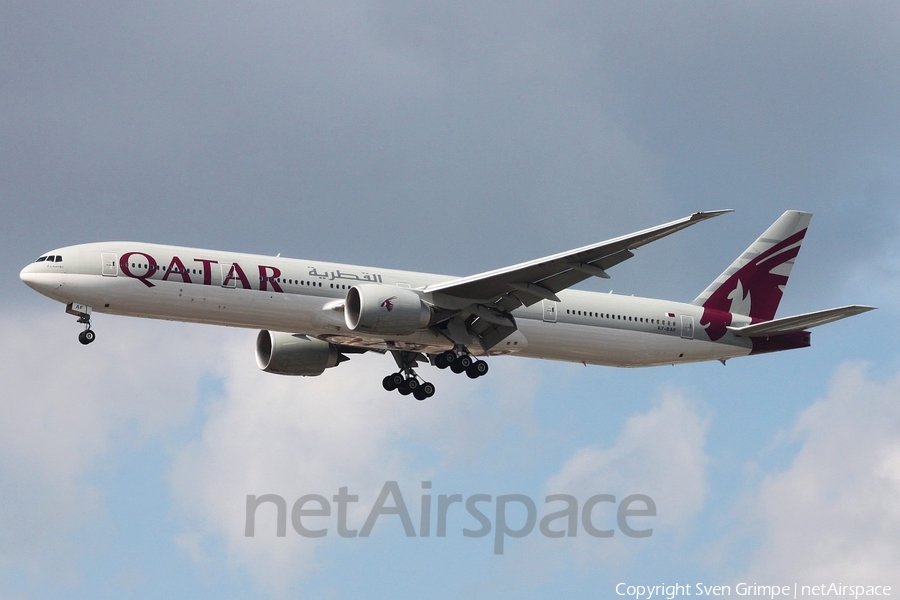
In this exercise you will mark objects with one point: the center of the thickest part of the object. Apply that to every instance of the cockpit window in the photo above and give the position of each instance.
(58, 258)
(41, 259)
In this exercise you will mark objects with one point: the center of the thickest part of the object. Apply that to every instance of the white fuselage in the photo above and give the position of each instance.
(301, 296)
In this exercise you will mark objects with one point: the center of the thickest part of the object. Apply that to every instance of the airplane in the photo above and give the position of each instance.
(312, 314)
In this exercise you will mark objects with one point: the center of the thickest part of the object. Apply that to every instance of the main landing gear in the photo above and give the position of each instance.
(461, 363)
(407, 382)
(84, 318)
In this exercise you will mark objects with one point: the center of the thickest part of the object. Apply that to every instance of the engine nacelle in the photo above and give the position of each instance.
(294, 354)
(385, 309)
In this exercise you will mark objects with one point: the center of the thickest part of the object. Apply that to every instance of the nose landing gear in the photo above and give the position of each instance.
(83, 313)
(87, 336)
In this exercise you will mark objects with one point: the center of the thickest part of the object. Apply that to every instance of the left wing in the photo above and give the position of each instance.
(530, 282)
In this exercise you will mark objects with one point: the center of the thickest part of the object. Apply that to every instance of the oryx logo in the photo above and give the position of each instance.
(389, 303)
(740, 302)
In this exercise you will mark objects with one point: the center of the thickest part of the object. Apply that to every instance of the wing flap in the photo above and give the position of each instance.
(799, 322)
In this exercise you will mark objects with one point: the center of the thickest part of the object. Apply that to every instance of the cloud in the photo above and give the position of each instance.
(66, 409)
(297, 436)
(70, 410)
(660, 453)
(833, 514)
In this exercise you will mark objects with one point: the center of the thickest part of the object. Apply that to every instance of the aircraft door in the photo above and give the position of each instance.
(110, 264)
(549, 311)
(687, 327)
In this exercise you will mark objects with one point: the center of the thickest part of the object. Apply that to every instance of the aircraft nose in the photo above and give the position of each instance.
(28, 276)
(37, 277)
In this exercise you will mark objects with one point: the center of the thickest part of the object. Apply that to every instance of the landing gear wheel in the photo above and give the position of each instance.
(440, 361)
(412, 384)
(447, 358)
(426, 390)
(477, 369)
(461, 363)
(392, 381)
(404, 388)
(86, 337)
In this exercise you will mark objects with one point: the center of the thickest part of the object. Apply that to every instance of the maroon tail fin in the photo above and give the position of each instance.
(754, 283)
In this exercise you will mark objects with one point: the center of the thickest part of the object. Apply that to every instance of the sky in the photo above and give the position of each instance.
(452, 138)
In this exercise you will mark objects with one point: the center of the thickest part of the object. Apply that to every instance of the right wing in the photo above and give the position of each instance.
(530, 282)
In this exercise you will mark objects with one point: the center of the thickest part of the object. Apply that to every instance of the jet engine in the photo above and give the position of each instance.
(385, 310)
(295, 354)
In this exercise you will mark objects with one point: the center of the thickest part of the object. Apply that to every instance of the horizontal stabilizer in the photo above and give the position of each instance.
(798, 322)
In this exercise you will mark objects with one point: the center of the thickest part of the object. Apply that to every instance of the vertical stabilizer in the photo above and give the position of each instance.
(754, 283)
